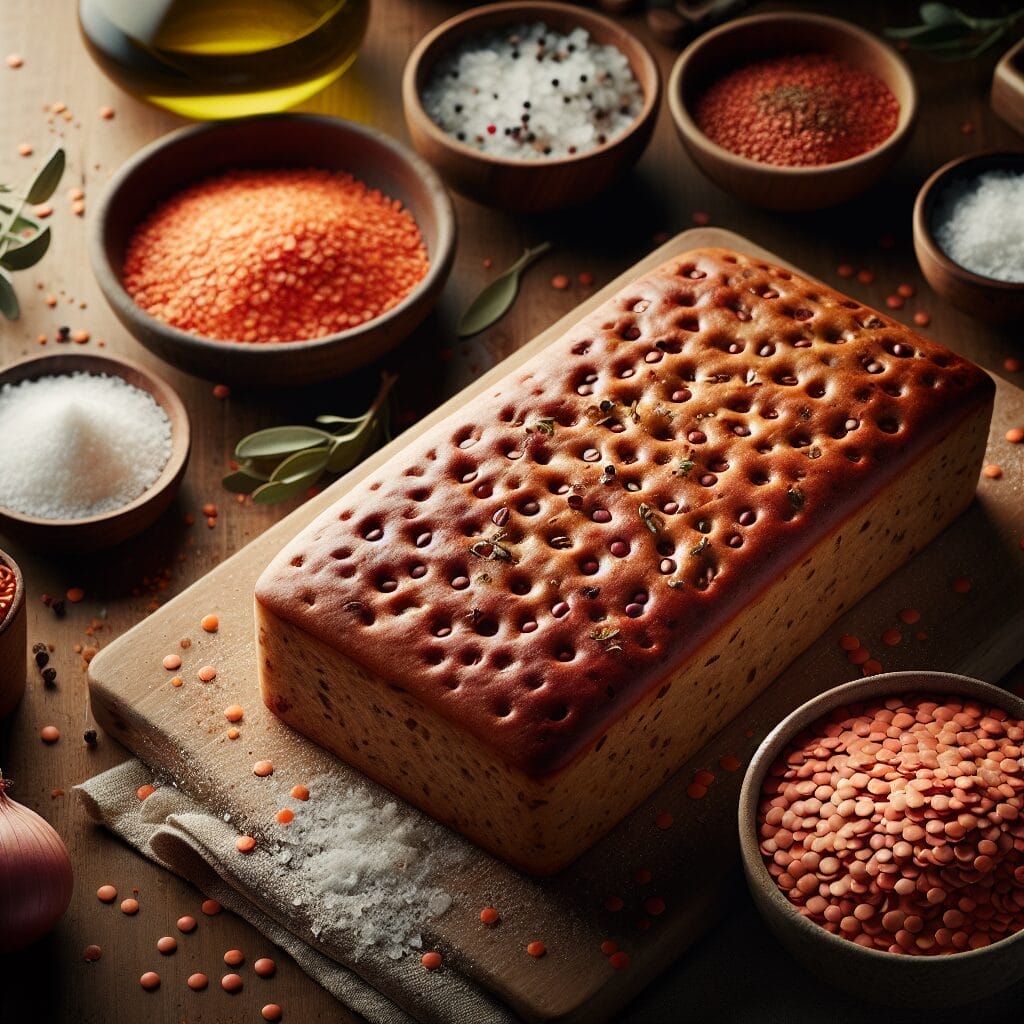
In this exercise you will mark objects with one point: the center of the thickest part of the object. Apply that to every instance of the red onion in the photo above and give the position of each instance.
(35, 875)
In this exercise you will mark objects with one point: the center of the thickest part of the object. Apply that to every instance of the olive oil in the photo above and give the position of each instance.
(223, 58)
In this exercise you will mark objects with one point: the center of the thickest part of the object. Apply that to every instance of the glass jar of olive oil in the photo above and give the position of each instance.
(223, 58)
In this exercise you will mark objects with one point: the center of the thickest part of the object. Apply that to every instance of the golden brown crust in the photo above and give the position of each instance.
(535, 564)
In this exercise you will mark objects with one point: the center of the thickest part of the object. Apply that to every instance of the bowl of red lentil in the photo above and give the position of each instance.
(274, 250)
(882, 836)
(575, 100)
(13, 635)
(792, 111)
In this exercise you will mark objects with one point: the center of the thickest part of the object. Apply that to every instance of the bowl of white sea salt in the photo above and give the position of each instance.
(92, 450)
(530, 106)
(969, 234)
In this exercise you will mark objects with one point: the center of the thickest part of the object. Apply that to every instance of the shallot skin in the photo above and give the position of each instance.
(36, 879)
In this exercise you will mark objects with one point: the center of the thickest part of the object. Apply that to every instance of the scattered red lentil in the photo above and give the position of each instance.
(859, 656)
(894, 302)
(871, 667)
(145, 791)
(274, 255)
(197, 982)
(431, 960)
(845, 270)
(24, 149)
(78, 207)
(91, 954)
(106, 113)
(150, 981)
(849, 642)
(167, 945)
(910, 616)
(560, 282)
(1015, 435)
(922, 319)
(609, 946)
(106, 894)
(643, 924)
(234, 957)
(992, 471)
(1012, 364)
(210, 623)
(586, 278)
(300, 793)
(798, 110)
(642, 876)
(187, 924)
(663, 820)
(177, 681)
(172, 662)
(231, 983)
(207, 674)
(49, 734)
(892, 637)
(905, 290)
(211, 908)
(704, 777)
(961, 585)
(234, 733)
(614, 903)
(56, 792)
(42, 211)
(285, 816)
(489, 916)
(654, 905)
(488, 262)
(263, 769)
(245, 844)
(129, 906)
(701, 218)
(536, 948)
(221, 391)
(866, 276)
(620, 961)
(234, 712)
(15, 60)
(265, 967)
(695, 791)
(272, 1012)
(967, 128)
(730, 763)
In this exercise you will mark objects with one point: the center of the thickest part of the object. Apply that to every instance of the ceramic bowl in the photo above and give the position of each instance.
(984, 297)
(767, 35)
(109, 528)
(890, 978)
(279, 140)
(13, 636)
(543, 183)
(1008, 87)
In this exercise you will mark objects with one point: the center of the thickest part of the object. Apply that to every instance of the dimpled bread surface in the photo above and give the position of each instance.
(536, 611)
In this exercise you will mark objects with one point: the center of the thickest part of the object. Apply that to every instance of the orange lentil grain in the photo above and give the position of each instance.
(106, 113)
(488, 263)
(234, 733)
(489, 916)
(663, 820)
(285, 815)
(145, 791)
(231, 983)
(186, 924)
(1015, 435)
(696, 791)
(892, 637)
(730, 763)
(704, 777)
(42, 211)
(871, 667)
(701, 218)
(234, 712)
(15, 60)
(91, 954)
(620, 961)
(207, 674)
(106, 894)
(221, 391)
(865, 276)
(51, 300)
(300, 792)
(150, 981)
(211, 521)
(78, 207)
(210, 623)
(211, 908)
(859, 656)
(961, 585)
(905, 290)
(264, 967)
(24, 149)
(849, 642)
(296, 254)
(642, 876)
(586, 278)
(894, 301)
(171, 662)
(197, 982)
(431, 960)
(272, 1012)
(245, 844)
(910, 616)
(49, 734)
(560, 282)
(922, 319)
(209, 509)
(609, 946)
(263, 769)
(76, 193)
(75, 594)
(613, 904)
(654, 905)
(845, 270)
(234, 958)
(166, 944)
(129, 906)
(992, 471)
(177, 681)
(1012, 364)
(536, 948)
(81, 337)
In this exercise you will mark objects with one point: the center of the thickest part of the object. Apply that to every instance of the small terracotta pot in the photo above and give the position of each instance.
(13, 638)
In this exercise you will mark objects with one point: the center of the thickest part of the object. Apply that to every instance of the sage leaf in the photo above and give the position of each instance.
(497, 298)
(279, 441)
(344, 456)
(8, 299)
(938, 14)
(20, 257)
(242, 482)
(341, 419)
(47, 180)
(277, 490)
(309, 463)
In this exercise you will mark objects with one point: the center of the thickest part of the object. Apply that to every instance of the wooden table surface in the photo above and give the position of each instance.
(121, 587)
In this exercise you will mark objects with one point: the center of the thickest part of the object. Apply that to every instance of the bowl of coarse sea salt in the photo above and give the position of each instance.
(969, 234)
(93, 450)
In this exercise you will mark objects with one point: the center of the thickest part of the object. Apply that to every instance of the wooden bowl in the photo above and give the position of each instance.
(984, 297)
(1008, 87)
(108, 528)
(276, 140)
(765, 35)
(13, 642)
(527, 186)
(890, 978)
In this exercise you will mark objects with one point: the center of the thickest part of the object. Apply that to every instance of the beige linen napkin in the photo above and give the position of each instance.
(182, 835)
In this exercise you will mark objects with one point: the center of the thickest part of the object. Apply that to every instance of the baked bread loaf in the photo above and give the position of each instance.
(536, 611)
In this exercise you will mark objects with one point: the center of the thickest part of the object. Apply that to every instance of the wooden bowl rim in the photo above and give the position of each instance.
(867, 688)
(34, 367)
(1007, 64)
(159, 149)
(688, 127)
(19, 591)
(928, 195)
(518, 12)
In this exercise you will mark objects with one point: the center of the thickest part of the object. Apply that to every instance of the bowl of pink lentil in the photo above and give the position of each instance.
(275, 250)
(792, 111)
(882, 836)
(13, 635)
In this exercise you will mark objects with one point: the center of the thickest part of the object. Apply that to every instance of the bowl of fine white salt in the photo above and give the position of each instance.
(530, 106)
(969, 234)
(93, 450)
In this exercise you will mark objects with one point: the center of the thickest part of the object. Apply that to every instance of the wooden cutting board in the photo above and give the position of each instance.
(181, 732)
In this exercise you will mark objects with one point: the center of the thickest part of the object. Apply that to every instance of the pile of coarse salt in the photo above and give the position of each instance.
(530, 93)
(362, 869)
(979, 223)
(78, 445)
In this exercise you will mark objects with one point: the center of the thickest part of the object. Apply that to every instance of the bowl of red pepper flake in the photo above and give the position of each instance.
(792, 111)
(13, 635)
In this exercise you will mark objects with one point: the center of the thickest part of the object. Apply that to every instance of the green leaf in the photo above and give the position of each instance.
(242, 482)
(8, 299)
(344, 456)
(47, 180)
(20, 257)
(310, 463)
(342, 419)
(279, 441)
(497, 298)
(277, 490)
(938, 14)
